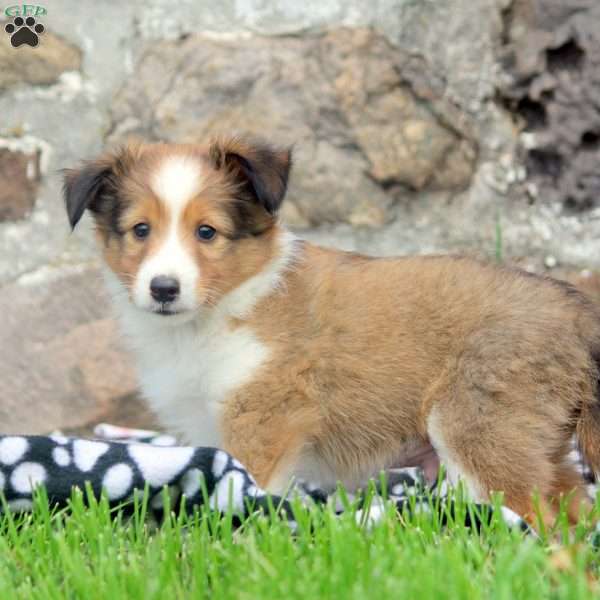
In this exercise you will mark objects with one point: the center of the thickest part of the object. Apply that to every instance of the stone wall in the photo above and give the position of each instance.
(418, 126)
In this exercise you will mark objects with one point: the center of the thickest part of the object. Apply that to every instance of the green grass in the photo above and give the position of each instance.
(92, 553)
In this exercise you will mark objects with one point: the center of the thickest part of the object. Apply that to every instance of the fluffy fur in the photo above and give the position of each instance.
(304, 361)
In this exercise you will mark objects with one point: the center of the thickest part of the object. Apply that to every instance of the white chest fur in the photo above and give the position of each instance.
(187, 372)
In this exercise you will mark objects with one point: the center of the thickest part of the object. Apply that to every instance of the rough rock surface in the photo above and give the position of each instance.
(554, 58)
(344, 99)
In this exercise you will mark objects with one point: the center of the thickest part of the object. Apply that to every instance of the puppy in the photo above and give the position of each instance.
(325, 365)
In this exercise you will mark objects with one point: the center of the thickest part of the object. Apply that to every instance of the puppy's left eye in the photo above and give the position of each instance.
(141, 231)
(205, 233)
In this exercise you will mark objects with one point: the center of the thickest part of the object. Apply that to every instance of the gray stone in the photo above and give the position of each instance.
(458, 38)
(407, 139)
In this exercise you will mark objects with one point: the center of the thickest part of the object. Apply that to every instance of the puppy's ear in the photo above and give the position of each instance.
(84, 188)
(259, 171)
(94, 186)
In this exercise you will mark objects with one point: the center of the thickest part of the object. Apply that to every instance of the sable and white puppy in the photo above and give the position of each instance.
(327, 365)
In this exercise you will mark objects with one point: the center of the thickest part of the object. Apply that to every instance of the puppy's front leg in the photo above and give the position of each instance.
(268, 443)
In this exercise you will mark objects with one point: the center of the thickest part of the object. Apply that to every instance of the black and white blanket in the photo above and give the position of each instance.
(120, 461)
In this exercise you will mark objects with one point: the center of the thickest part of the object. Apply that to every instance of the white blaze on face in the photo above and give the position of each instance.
(175, 183)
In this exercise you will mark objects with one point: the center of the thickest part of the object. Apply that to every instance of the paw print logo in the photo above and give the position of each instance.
(24, 31)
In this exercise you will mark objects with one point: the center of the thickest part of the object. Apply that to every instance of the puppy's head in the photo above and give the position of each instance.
(182, 225)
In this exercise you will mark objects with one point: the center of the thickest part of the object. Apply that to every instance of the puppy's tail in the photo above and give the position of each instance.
(588, 426)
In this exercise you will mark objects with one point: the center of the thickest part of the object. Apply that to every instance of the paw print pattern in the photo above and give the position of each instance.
(24, 31)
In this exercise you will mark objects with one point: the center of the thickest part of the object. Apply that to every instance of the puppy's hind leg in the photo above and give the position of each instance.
(492, 446)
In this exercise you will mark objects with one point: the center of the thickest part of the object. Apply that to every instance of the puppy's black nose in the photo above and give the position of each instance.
(164, 289)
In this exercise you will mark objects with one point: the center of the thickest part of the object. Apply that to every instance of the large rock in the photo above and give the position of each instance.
(358, 111)
(406, 138)
(40, 65)
(62, 361)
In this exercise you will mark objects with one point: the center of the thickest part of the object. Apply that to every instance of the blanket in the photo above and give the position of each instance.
(118, 462)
